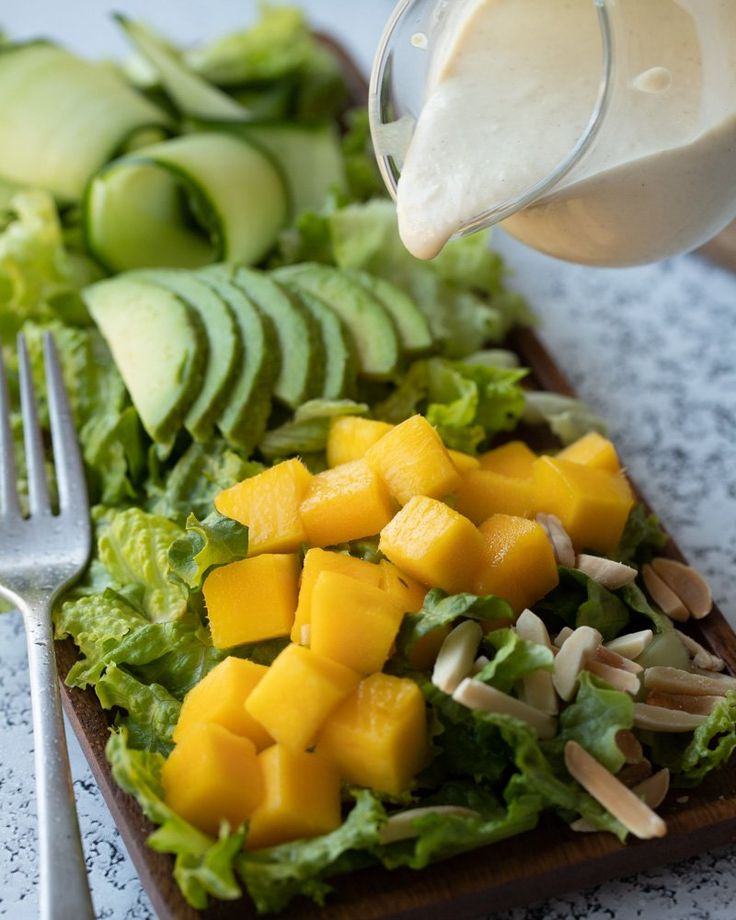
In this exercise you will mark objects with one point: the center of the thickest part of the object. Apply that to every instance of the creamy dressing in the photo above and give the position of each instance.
(512, 88)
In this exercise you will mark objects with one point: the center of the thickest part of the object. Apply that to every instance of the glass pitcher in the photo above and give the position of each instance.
(645, 91)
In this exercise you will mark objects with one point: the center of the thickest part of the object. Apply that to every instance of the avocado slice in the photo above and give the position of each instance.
(225, 345)
(411, 324)
(370, 326)
(159, 345)
(301, 375)
(340, 359)
(243, 418)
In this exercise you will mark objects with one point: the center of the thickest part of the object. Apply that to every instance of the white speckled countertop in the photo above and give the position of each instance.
(652, 349)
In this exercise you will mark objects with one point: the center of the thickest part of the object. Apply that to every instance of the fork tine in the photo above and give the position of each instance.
(38, 490)
(8, 476)
(70, 478)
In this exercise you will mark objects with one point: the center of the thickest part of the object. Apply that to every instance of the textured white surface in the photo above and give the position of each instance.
(652, 349)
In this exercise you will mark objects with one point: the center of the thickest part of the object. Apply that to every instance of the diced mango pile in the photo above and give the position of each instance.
(272, 745)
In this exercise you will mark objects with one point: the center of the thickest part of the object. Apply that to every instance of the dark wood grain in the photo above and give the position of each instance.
(531, 867)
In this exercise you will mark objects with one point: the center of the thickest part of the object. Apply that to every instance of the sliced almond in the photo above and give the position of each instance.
(401, 825)
(618, 679)
(622, 803)
(537, 688)
(606, 656)
(633, 773)
(687, 583)
(663, 596)
(559, 538)
(674, 680)
(476, 695)
(629, 745)
(659, 719)
(702, 658)
(606, 572)
(456, 655)
(631, 645)
(562, 636)
(572, 658)
(701, 705)
(654, 789)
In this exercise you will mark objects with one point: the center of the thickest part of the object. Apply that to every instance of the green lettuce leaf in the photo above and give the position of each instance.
(152, 712)
(579, 600)
(215, 541)
(203, 866)
(513, 659)
(635, 600)
(566, 417)
(306, 432)
(641, 538)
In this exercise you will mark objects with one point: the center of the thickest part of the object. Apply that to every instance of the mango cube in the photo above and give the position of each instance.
(301, 798)
(463, 462)
(252, 599)
(408, 593)
(268, 505)
(434, 544)
(300, 690)
(350, 437)
(518, 563)
(592, 450)
(320, 560)
(378, 736)
(345, 503)
(412, 460)
(352, 622)
(220, 697)
(484, 492)
(514, 459)
(212, 776)
(592, 504)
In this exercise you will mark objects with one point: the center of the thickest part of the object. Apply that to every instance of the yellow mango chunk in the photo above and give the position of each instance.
(352, 622)
(252, 599)
(514, 459)
(345, 503)
(321, 560)
(434, 544)
(412, 460)
(212, 776)
(518, 562)
(592, 504)
(300, 690)
(484, 492)
(463, 462)
(220, 697)
(592, 450)
(301, 798)
(408, 593)
(378, 736)
(268, 505)
(350, 437)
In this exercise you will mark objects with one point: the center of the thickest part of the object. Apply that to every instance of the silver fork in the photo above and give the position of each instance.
(39, 556)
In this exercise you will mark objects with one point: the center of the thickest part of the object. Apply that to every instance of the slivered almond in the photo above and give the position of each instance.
(456, 655)
(606, 656)
(659, 719)
(629, 745)
(702, 658)
(401, 825)
(704, 672)
(531, 627)
(674, 680)
(631, 645)
(562, 636)
(606, 572)
(663, 596)
(559, 538)
(701, 705)
(634, 773)
(622, 803)
(476, 695)
(618, 679)
(654, 789)
(480, 662)
(572, 658)
(537, 688)
(687, 583)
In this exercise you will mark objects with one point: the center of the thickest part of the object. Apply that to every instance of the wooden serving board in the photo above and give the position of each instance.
(531, 867)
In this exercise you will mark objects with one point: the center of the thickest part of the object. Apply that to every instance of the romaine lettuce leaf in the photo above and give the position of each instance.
(306, 432)
(566, 417)
(152, 712)
(513, 658)
(642, 536)
(215, 541)
(579, 600)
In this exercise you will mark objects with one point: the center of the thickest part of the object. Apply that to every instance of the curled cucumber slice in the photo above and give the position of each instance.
(185, 203)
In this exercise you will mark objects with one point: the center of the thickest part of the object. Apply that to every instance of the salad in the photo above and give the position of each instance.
(272, 397)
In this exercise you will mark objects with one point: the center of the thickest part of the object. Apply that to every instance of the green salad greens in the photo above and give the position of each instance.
(138, 616)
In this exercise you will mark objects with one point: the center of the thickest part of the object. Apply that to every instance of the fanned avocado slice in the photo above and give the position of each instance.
(370, 326)
(340, 359)
(411, 324)
(301, 375)
(225, 346)
(159, 345)
(243, 418)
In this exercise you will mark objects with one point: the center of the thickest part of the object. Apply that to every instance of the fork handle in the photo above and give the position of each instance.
(64, 886)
